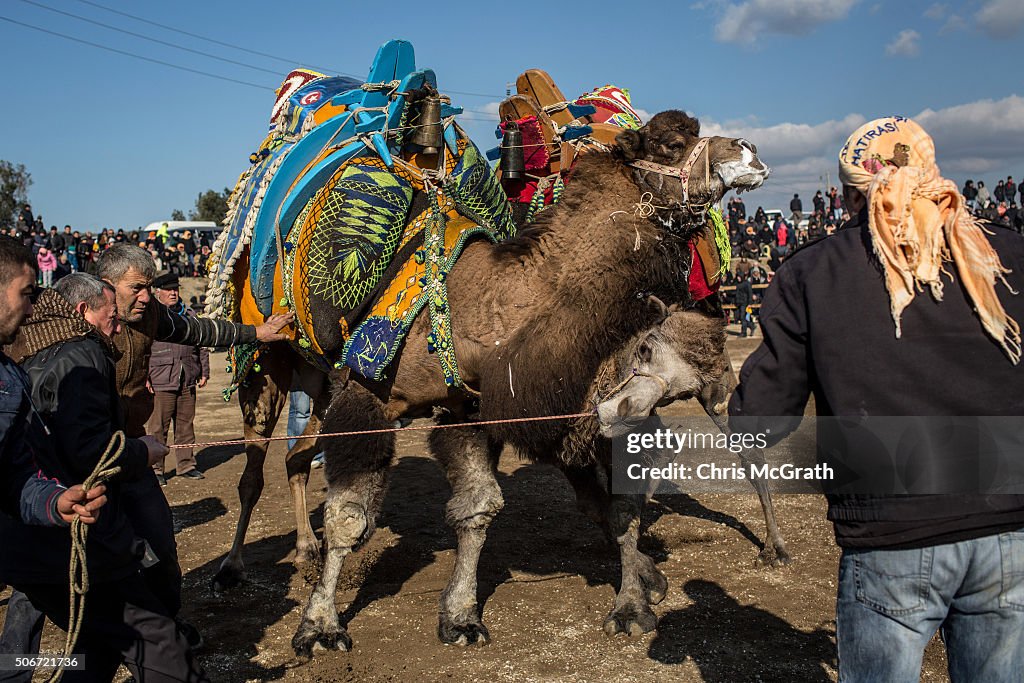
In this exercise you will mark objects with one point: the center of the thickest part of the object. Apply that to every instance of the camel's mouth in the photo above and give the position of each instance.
(746, 173)
(739, 176)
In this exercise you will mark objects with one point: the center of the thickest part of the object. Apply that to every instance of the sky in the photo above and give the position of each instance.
(114, 140)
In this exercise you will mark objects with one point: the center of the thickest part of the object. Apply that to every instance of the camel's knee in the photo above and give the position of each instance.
(346, 522)
(475, 502)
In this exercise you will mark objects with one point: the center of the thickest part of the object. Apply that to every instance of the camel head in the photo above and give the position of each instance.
(715, 165)
(678, 358)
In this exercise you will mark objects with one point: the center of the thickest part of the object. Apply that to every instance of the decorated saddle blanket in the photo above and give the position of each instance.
(374, 246)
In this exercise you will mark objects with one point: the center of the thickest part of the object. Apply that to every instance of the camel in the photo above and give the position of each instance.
(534, 318)
(683, 357)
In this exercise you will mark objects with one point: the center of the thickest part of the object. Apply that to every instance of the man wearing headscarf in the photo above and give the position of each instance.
(910, 309)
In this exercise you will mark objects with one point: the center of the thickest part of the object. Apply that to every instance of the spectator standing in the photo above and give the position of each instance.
(782, 235)
(819, 203)
(836, 204)
(25, 219)
(970, 193)
(47, 264)
(796, 207)
(71, 247)
(1011, 190)
(983, 196)
(1000, 192)
(744, 297)
(176, 371)
(869, 333)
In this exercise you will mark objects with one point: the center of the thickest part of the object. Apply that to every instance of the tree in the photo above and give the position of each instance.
(211, 206)
(178, 215)
(14, 184)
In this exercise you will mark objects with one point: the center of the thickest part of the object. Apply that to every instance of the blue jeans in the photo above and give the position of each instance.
(299, 409)
(891, 602)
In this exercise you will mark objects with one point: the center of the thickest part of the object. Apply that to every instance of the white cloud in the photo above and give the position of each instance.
(970, 140)
(936, 11)
(954, 23)
(746, 21)
(1001, 19)
(905, 44)
(644, 115)
(490, 108)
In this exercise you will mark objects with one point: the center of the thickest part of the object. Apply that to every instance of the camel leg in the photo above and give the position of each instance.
(592, 497)
(712, 399)
(631, 613)
(470, 461)
(262, 401)
(297, 464)
(298, 460)
(356, 469)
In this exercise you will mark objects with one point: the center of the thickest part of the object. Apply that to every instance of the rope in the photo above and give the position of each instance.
(78, 570)
(332, 435)
(632, 375)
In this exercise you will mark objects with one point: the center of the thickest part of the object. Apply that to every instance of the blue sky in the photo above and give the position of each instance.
(113, 141)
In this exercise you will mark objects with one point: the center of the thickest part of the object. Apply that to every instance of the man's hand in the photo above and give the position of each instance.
(77, 502)
(201, 383)
(149, 387)
(157, 451)
(270, 330)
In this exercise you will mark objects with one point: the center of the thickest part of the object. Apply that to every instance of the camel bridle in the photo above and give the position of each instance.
(684, 173)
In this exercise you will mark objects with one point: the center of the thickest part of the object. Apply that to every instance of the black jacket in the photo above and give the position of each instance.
(828, 331)
(73, 392)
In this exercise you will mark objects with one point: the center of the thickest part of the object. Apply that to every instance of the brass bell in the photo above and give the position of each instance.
(512, 160)
(428, 134)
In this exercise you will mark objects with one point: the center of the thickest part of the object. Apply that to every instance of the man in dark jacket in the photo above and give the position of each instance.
(744, 296)
(130, 269)
(175, 372)
(67, 356)
(796, 207)
(851, 321)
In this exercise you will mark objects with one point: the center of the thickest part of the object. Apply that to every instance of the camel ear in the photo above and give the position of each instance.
(631, 144)
(659, 307)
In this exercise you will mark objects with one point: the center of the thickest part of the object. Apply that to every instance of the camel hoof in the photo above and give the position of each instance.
(307, 555)
(227, 578)
(655, 586)
(309, 638)
(777, 557)
(631, 620)
(451, 633)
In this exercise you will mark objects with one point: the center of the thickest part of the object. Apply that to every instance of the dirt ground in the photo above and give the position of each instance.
(547, 579)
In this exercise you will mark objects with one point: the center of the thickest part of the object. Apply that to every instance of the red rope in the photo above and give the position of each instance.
(480, 423)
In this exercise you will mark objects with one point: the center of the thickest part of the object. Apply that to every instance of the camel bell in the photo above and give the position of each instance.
(512, 163)
(428, 133)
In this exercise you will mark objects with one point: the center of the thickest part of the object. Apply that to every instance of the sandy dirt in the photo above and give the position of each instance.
(547, 579)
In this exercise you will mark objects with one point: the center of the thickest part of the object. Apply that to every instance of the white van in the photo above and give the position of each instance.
(176, 228)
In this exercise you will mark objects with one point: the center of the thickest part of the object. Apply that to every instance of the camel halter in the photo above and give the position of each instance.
(683, 173)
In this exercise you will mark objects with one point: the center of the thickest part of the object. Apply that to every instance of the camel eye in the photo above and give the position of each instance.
(644, 352)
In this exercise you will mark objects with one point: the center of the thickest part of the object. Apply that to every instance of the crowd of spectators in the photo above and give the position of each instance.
(761, 242)
(60, 253)
(1004, 205)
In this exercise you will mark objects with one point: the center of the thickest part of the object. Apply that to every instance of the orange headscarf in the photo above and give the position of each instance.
(918, 221)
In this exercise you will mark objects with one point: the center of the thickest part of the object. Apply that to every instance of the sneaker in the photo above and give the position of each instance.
(161, 480)
(318, 461)
(193, 474)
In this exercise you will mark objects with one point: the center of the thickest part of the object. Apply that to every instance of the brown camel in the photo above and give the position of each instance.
(534, 318)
